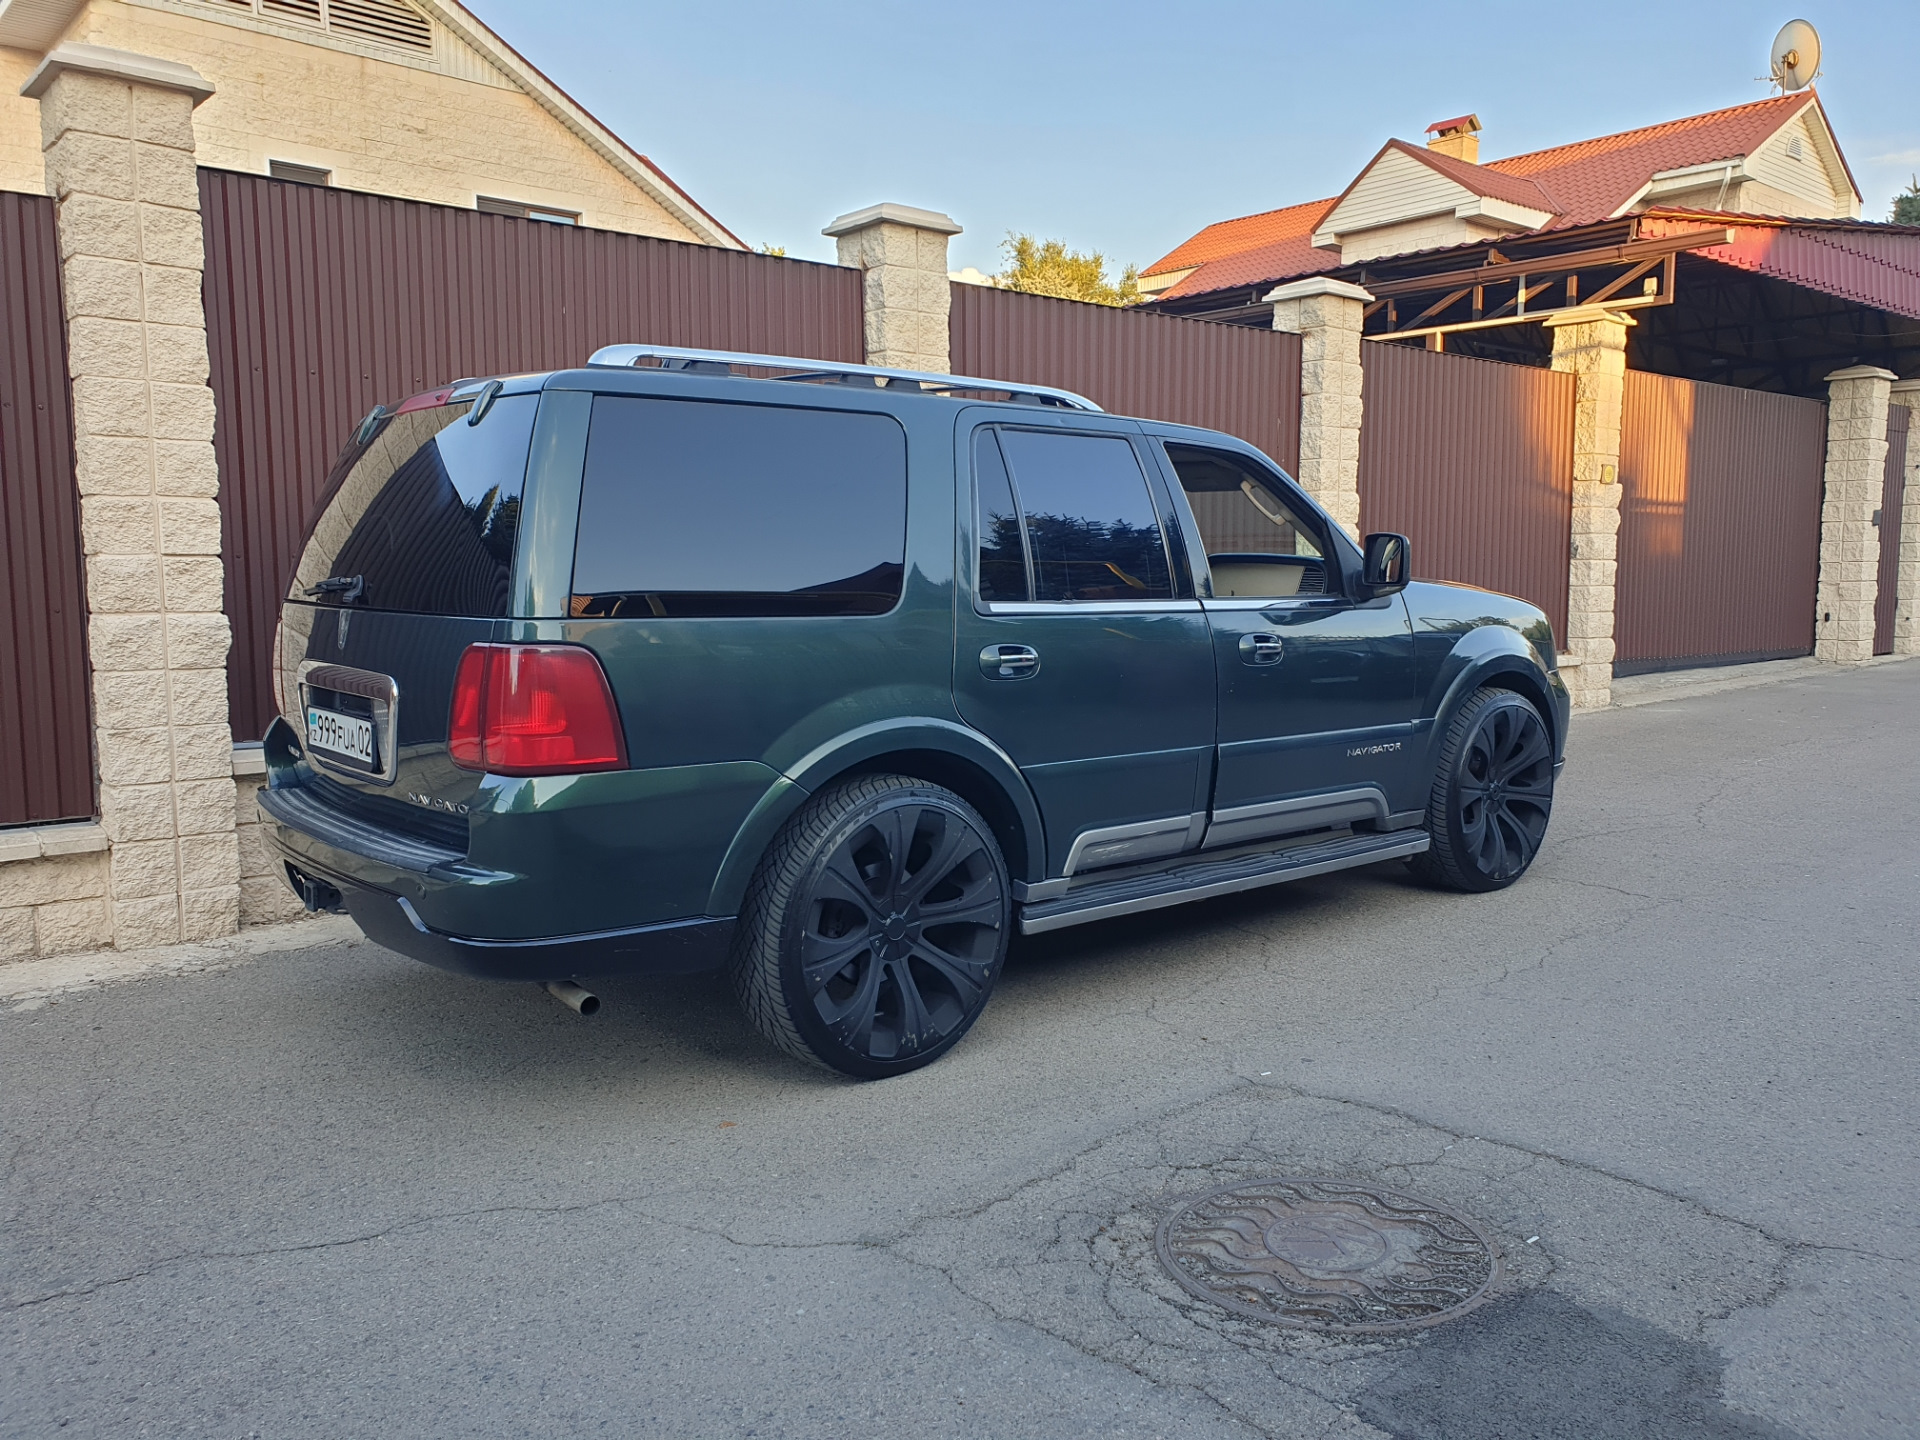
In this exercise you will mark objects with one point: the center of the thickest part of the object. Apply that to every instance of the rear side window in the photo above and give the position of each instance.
(1085, 514)
(692, 507)
(423, 518)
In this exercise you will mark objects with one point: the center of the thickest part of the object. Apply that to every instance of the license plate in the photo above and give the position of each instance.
(347, 736)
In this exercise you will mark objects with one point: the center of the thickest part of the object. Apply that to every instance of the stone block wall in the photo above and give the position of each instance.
(53, 890)
(1857, 400)
(1327, 316)
(265, 895)
(119, 157)
(1591, 345)
(902, 252)
(1906, 615)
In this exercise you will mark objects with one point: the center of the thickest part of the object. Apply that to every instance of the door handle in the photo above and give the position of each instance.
(1260, 648)
(1009, 662)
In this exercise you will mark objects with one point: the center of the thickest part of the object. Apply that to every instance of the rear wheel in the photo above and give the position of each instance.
(1492, 794)
(874, 928)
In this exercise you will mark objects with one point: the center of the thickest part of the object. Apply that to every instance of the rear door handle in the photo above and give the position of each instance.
(1260, 648)
(1009, 662)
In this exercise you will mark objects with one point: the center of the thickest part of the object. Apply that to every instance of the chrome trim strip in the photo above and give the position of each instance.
(371, 685)
(1143, 840)
(1090, 607)
(626, 356)
(1300, 812)
(1411, 846)
(1370, 793)
(1277, 602)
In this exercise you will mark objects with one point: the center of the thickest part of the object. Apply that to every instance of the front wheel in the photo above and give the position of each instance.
(1492, 794)
(875, 927)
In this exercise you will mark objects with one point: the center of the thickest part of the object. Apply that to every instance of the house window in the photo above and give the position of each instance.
(299, 174)
(493, 205)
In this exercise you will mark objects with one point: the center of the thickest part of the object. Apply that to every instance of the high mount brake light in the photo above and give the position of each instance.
(533, 710)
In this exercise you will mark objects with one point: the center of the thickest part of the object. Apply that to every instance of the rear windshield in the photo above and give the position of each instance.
(423, 518)
(692, 507)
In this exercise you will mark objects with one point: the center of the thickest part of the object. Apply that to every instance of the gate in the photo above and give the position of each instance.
(46, 750)
(1473, 461)
(322, 303)
(1719, 549)
(1234, 378)
(1893, 496)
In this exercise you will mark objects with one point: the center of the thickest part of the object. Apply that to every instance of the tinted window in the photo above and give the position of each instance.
(1238, 509)
(1091, 526)
(1003, 550)
(424, 516)
(700, 508)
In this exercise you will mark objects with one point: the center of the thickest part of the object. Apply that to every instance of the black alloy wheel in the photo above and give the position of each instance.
(875, 927)
(1492, 794)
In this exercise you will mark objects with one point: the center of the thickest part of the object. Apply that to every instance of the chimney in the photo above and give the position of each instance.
(1458, 137)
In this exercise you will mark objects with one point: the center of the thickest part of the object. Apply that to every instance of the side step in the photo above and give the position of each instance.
(1203, 879)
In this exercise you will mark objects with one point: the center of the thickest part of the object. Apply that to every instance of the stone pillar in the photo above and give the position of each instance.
(1906, 614)
(117, 132)
(1857, 400)
(1326, 314)
(1590, 343)
(903, 252)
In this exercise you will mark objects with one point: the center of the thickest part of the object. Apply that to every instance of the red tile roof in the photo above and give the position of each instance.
(1579, 183)
(1597, 177)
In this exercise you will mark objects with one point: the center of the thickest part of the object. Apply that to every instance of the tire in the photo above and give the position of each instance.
(874, 928)
(1492, 795)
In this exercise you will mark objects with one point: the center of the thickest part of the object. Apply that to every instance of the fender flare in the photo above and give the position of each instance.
(853, 750)
(1481, 657)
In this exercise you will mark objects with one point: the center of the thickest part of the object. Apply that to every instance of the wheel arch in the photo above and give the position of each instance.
(938, 751)
(1504, 668)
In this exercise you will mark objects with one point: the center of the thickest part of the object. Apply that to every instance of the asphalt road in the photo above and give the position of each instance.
(334, 1193)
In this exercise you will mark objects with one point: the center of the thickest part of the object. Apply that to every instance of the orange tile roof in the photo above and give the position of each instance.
(1579, 183)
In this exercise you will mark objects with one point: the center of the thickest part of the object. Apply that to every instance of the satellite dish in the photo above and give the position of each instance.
(1796, 55)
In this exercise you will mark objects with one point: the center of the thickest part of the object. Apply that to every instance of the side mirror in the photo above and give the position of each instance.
(1388, 564)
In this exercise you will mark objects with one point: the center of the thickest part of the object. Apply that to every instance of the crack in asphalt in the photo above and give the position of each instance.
(399, 1227)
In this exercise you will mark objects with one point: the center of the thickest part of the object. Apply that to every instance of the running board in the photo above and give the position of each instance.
(1204, 879)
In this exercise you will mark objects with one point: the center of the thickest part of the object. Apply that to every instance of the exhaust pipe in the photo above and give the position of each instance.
(581, 1002)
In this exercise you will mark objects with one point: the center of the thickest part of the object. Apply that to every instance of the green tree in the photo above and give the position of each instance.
(1906, 205)
(1047, 267)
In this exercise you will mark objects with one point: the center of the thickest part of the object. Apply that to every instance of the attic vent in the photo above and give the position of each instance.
(387, 21)
(1793, 147)
(384, 22)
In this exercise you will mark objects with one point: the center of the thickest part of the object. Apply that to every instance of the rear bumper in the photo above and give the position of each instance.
(380, 874)
(677, 947)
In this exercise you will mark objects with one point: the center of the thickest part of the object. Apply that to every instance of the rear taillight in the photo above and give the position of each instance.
(533, 710)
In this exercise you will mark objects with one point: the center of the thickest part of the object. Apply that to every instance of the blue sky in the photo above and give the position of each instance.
(1126, 127)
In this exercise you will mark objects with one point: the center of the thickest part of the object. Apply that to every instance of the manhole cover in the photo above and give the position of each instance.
(1328, 1254)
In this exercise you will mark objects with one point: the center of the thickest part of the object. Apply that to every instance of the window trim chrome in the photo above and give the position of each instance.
(1087, 607)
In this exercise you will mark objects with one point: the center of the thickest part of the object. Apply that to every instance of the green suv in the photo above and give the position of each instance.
(837, 678)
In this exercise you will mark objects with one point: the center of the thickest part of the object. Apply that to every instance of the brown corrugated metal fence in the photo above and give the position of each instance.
(322, 303)
(1473, 461)
(1893, 493)
(46, 755)
(1719, 548)
(1161, 367)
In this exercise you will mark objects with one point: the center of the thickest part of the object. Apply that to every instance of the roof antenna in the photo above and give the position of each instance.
(1795, 59)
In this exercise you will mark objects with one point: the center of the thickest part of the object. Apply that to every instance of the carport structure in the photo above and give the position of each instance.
(1738, 376)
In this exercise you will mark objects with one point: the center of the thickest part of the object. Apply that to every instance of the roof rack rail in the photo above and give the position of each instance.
(723, 361)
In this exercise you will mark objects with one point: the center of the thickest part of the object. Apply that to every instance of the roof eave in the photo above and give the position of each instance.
(636, 167)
